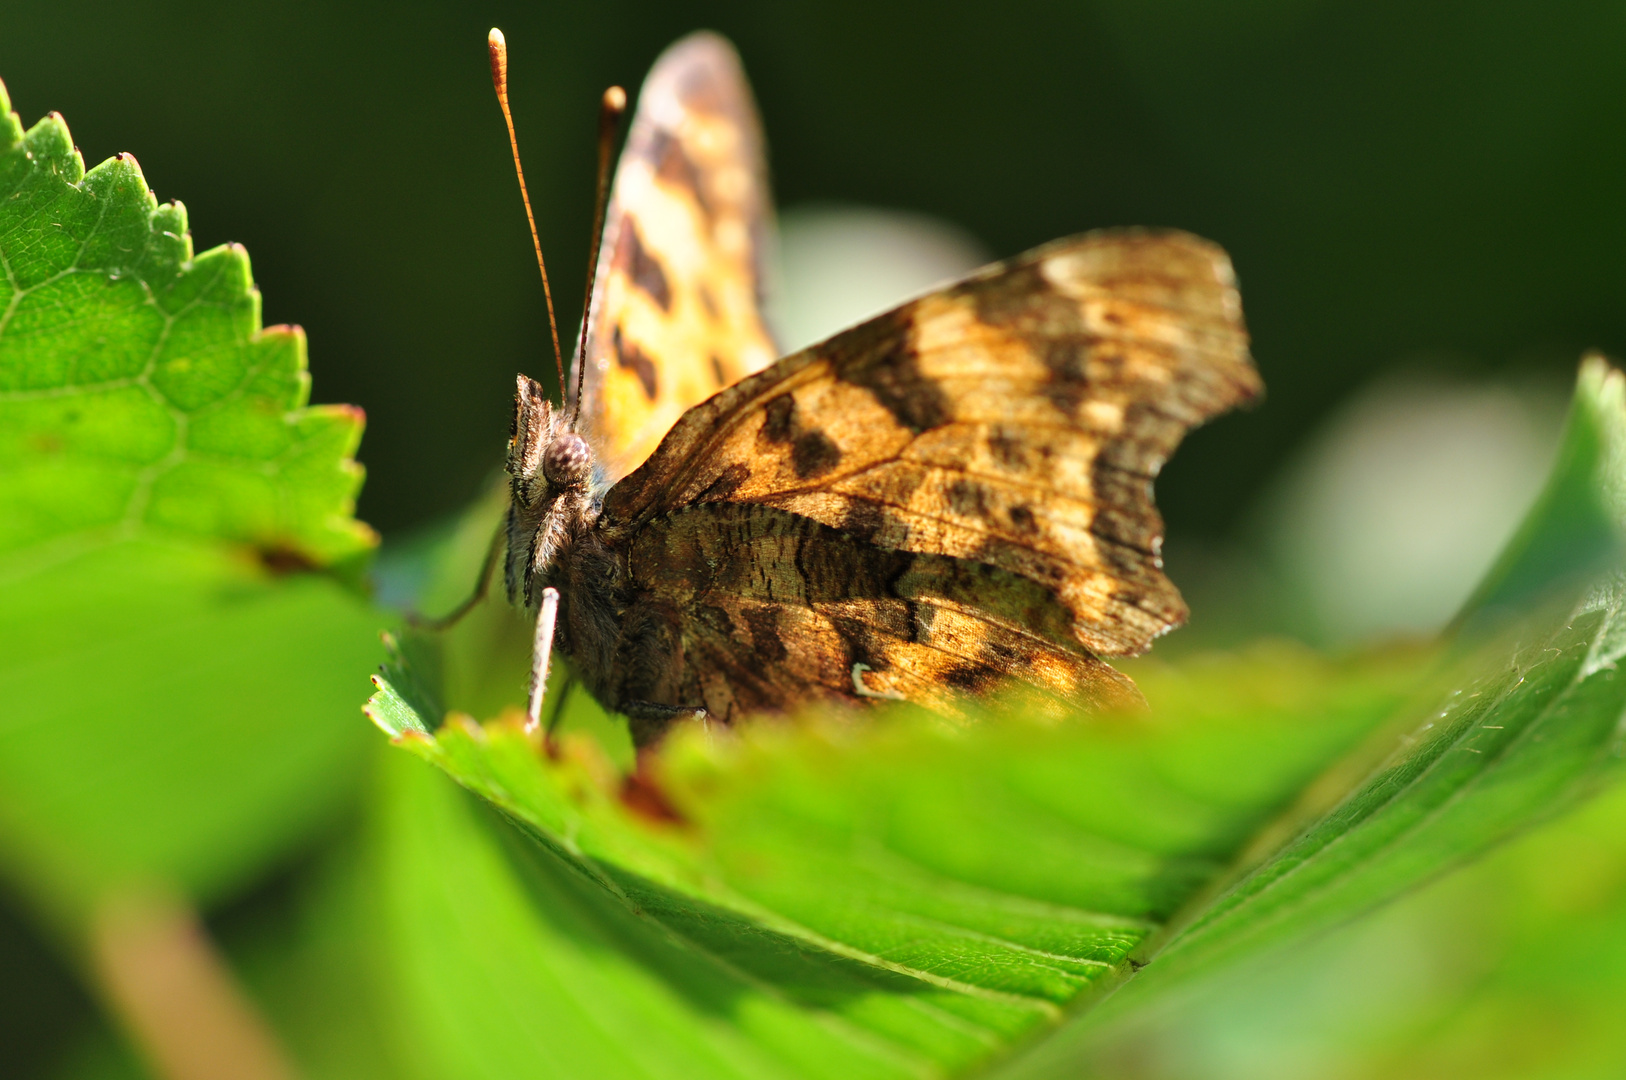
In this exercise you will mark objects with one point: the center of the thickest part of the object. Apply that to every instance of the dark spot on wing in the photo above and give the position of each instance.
(642, 267)
(969, 676)
(766, 644)
(999, 655)
(633, 359)
(1023, 520)
(1052, 325)
(864, 645)
(714, 619)
(1009, 450)
(879, 356)
(813, 454)
(717, 371)
(779, 419)
(1068, 386)
(1022, 301)
(674, 166)
(727, 482)
(1128, 597)
(968, 498)
(863, 519)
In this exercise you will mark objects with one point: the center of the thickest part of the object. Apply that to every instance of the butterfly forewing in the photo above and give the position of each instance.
(954, 492)
(677, 304)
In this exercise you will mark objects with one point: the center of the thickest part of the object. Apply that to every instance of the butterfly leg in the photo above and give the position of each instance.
(649, 720)
(541, 652)
(481, 588)
(559, 703)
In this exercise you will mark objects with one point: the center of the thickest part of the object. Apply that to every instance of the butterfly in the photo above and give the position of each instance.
(954, 495)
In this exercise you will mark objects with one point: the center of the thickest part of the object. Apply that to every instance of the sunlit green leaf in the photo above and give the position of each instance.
(176, 689)
(137, 390)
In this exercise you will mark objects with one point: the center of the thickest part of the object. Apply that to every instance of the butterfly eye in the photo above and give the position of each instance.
(567, 461)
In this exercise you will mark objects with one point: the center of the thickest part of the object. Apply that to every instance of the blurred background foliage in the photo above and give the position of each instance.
(1422, 202)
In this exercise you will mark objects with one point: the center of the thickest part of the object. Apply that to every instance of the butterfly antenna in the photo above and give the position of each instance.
(610, 109)
(499, 79)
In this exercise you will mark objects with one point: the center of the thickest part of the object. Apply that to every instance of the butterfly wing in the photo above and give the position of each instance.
(954, 492)
(676, 305)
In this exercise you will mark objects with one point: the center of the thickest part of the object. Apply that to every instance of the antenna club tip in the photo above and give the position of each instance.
(615, 100)
(498, 47)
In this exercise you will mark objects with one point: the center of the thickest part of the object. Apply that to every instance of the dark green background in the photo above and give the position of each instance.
(1398, 182)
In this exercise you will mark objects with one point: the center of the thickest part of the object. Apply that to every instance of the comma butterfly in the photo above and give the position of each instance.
(947, 497)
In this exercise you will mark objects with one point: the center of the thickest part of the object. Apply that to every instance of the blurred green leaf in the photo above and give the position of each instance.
(177, 691)
(927, 895)
(1513, 969)
(943, 896)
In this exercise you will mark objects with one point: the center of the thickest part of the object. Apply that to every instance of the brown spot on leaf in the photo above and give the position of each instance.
(644, 797)
(281, 560)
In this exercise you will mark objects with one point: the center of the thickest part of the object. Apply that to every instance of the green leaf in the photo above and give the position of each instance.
(1575, 529)
(178, 693)
(1512, 968)
(137, 390)
(945, 897)
(930, 894)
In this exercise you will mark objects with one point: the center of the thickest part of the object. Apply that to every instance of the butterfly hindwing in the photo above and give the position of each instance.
(776, 609)
(954, 492)
(677, 303)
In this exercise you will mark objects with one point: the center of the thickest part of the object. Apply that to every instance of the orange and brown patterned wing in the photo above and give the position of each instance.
(676, 307)
(955, 491)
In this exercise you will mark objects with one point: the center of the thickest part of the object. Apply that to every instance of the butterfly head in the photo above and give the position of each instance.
(549, 470)
(545, 458)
